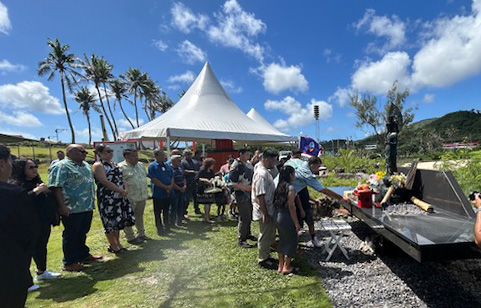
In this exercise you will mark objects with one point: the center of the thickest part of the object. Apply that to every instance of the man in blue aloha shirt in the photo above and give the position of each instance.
(72, 182)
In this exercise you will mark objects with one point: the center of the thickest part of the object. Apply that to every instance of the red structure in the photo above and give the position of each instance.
(223, 149)
(364, 196)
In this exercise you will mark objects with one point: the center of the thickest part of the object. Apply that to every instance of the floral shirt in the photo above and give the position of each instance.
(77, 183)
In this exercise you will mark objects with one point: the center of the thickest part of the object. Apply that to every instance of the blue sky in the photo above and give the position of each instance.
(280, 57)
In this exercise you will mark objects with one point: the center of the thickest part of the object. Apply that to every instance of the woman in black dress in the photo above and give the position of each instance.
(114, 206)
(25, 175)
(204, 180)
(285, 219)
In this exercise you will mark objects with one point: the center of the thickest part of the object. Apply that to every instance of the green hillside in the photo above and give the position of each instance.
(459, 126)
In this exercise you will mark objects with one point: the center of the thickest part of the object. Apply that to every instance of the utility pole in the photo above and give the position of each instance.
(316, 116)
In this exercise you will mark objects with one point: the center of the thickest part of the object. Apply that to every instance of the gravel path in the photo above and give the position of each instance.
(394, 279)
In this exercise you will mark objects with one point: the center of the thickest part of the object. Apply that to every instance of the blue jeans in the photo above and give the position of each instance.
(177, 207)
(76, 226)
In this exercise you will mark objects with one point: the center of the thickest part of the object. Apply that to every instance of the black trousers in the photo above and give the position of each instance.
(16, 299)
(161, 213)
(40, 251)
(76, 227)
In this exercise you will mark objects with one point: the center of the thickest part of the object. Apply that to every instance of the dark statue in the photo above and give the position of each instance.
(392, 128)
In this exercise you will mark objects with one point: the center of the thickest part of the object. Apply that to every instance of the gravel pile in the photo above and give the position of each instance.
(393, 279)
(404, 209)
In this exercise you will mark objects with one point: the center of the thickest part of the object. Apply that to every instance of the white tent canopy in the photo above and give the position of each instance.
(256, 116)
(206, 112)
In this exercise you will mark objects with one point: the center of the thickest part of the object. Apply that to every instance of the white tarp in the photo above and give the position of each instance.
(206, 112)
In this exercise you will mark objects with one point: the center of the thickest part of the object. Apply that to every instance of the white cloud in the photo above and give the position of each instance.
(5, 25)
(190, 53)
(174, 87)
(451, 52)
(124, 125)
(331, 56)
(299, 116)
(378, 77)
(237, 28)
(96, 133)
(429, 98)
(160, 45)
(341, 96)
(231, 87)
(6, 66)
(186, 77)
(31, 95)
(279, 77)
(331, 129)
(382, 26)
(185, 20)
(20, 118)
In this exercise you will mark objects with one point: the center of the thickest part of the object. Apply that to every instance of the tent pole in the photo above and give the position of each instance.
(168, 147)
(203, 149)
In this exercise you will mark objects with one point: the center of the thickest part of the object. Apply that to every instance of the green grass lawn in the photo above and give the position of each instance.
(199, 265)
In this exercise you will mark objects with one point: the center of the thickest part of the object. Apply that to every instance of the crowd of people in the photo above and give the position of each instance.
(255, 187)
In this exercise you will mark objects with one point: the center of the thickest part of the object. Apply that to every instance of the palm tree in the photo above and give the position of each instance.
(135, 79)
(105, 74)
(119, 88)
(150, 92)
(87, 100)
(59, 60)
(94, 72)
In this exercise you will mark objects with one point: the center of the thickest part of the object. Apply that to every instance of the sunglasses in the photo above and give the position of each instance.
(33, 167)
(81, 151)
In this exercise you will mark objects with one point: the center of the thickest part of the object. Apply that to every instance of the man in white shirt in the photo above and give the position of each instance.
(263, 189)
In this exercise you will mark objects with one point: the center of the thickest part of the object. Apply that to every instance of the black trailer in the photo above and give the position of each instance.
(446, 234)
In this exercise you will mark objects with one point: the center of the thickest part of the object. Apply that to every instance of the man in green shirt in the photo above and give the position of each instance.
(135, 180)
(72, 182)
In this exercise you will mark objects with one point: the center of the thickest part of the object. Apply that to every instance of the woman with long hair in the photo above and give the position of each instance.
(204, 180)
(25, 175)
(285, 219)
(114, 206)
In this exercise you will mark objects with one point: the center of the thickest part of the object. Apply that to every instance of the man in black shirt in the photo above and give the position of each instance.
(17, 236)
(240, 176)
(191, 168)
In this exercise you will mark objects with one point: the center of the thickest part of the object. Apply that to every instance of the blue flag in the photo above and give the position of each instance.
(309, 146)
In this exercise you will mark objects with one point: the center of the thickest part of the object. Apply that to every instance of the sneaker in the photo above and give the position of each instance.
(244, 244)
(252, 238)
(47, 276)
(136, 241)
(315, 242)
(74, 267)
(34, 287)
(144, 238)
(219, 218)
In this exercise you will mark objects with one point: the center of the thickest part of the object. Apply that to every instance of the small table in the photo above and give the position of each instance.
(336, 229)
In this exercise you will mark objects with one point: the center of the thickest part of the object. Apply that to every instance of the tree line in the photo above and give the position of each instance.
(135, 87)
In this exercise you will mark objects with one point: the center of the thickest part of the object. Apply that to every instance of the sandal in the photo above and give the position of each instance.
(294, 271)
(111, 250)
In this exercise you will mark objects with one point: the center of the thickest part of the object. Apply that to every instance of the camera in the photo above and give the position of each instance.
(472, 195)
